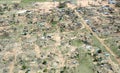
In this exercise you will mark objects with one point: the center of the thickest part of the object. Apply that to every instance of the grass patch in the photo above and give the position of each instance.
(29, 1)
(97, 43)
(85, 63)
(5, 1)
(76, 42)
(85, 66)
(54, 23)
(5, 35)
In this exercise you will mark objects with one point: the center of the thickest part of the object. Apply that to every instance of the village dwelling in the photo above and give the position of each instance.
(111, 1)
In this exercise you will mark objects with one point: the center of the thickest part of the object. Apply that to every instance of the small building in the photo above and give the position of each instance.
(111, 1)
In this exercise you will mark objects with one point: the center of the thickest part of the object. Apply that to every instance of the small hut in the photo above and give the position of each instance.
(111, 1)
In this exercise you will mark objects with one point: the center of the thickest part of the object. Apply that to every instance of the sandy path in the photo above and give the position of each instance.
(12, 65)
(37, 50)
(57, 37)
(16, 51)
